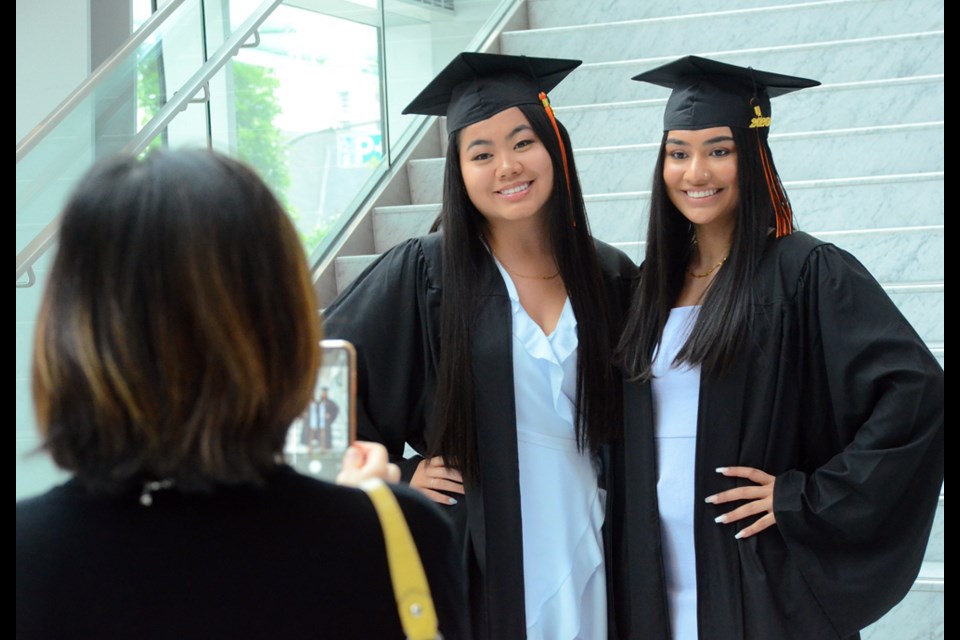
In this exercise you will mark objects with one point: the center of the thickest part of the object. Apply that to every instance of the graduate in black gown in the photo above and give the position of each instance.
(817, 410)
(433, 322)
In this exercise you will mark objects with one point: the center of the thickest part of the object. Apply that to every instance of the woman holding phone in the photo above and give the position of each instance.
(177, 339)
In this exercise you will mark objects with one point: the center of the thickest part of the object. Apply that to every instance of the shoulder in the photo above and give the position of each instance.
(423, 252)
(403, 270)
(51, 505)
(614, 262)
(798, 261)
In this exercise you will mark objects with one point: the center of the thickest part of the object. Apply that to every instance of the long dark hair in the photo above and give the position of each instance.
(597, 416)
(722, 321)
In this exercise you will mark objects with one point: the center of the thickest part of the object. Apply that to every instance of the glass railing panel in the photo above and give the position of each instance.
(420, 38)
(100, 122)
(305, 110)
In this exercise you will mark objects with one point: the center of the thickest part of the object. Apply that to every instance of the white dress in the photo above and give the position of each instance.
(561, 505)
(676, 399)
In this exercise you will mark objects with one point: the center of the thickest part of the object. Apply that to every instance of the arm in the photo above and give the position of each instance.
(856, 522)
(386, 314)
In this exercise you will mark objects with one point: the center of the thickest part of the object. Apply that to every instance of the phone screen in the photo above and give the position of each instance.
(318, 439)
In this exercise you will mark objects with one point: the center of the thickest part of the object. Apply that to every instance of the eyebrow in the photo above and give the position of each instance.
(716, 140)
(516, 130)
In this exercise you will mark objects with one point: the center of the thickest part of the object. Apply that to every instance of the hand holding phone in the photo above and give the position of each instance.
(318, 439)
(365, 460)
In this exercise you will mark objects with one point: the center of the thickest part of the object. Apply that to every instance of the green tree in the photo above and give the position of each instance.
(259, 142)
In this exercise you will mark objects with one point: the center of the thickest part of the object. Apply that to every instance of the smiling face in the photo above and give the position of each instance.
(506, 169)
(700, 174)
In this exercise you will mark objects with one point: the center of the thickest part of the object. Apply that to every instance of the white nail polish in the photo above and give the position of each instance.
(710, 499)
(721, 469)
(739, 535)
(720, 519)
(453, 501)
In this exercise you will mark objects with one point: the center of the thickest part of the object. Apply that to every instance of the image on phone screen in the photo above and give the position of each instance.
(318, 439)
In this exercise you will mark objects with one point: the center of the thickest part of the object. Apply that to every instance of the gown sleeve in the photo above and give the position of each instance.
(390, 314)
(858, 521)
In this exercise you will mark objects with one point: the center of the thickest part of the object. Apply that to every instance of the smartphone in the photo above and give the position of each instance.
(318, 439)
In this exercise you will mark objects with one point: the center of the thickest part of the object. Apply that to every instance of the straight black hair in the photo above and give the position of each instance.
(721, 323)
(598, 409)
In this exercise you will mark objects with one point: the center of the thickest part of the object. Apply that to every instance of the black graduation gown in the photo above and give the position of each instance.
(838, 397)
(391, 313)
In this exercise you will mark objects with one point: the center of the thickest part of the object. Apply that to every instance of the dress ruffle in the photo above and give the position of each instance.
(561, 505)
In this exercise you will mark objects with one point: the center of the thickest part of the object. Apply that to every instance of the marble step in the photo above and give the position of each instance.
(842, 153)
(545, 14)
(935, 546)
(835, 106)
(910, 260)
(905, 255)
(919, 616)
(822, 205)
(937, 350)
(829, 61)
(922, 303)
(770, 26)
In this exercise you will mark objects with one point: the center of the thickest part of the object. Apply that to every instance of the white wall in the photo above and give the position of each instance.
(53, 56)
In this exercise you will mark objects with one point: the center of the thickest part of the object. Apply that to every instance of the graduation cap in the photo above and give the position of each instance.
(476, 86)
(707, 93)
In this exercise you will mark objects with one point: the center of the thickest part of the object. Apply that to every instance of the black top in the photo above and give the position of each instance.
(391, 313)
(838, 397)
(297, 558)
(707, 93)
(476, 86)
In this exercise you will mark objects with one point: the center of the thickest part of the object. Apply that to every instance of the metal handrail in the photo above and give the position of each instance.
(45, 239)
(219, 58)
(49, 123)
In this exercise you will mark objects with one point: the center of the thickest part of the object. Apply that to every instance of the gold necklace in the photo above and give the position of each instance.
(521, 275)
(707, 272)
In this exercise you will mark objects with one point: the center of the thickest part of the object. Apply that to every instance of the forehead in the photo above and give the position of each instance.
(699, 136)
(494, 129)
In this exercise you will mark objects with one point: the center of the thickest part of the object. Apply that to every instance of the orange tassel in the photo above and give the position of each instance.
(563, 151)
(783, 213)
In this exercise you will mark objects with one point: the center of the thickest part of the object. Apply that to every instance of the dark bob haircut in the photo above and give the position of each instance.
(178, 335)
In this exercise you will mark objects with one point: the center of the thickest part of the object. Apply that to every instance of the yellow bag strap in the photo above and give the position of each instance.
(414, 603)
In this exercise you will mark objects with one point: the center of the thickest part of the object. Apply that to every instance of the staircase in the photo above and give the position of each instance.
(861, 156)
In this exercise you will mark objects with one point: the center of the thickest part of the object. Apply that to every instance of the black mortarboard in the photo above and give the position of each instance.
(476, 86)
(707, 93)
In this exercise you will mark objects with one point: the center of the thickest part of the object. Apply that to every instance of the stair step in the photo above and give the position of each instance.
(561, 13)
(768, 27)
(841, 153)
(902, 255)
(919, 615)
(823, 205)
(935, 546)
(873, 58)
(836, 106)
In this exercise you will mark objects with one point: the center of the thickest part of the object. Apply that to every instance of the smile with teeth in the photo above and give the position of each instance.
(515, 189)
(706, 193)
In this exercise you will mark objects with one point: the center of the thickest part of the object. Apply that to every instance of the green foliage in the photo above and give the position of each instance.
(259, 142)
(150, 92)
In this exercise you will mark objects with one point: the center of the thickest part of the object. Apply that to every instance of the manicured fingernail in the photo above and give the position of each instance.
(739, 535)
(720, 519)
(352, 454)
(710, 499)
(452, 501)
(721, 469)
